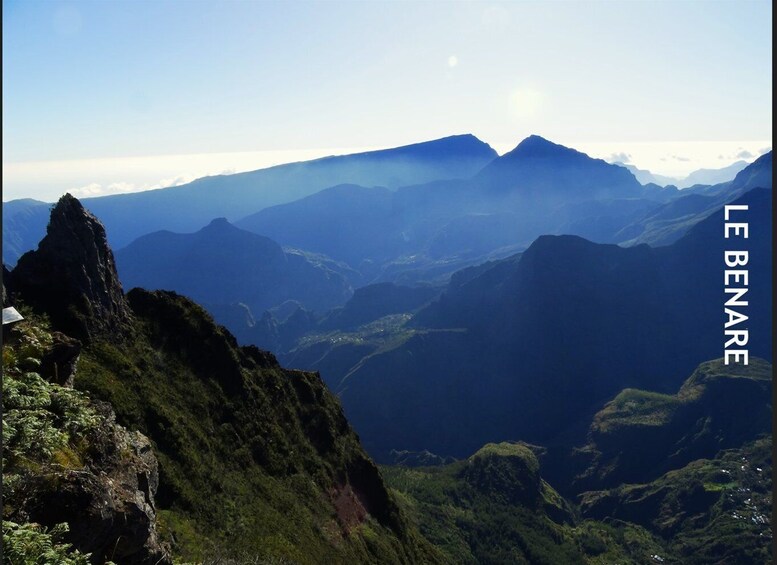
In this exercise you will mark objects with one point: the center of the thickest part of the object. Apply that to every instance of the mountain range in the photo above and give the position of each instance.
(525, 346)
(486, 327)
(444, 205)
(188, 207)
(698, 177)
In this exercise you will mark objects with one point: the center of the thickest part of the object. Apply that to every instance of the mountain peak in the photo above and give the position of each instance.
(72, 275)
(538, 146)
(218, 224)
(554, 174)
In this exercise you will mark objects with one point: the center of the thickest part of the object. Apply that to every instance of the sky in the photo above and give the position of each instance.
(112, 96)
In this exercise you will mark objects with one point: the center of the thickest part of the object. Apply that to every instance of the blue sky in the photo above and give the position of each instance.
(184, 88)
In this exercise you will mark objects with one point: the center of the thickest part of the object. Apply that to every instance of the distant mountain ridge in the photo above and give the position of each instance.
(422, 233)
(538, 188)
(514, 199)
(221, 265)
(668, 222)
(187, 207)
(644, 176)
(540, 168)
(698, 177)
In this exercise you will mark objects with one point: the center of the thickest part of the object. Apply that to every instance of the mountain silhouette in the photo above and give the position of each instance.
(187, 207)
(527, 348)
(221, 265)
(510, 202)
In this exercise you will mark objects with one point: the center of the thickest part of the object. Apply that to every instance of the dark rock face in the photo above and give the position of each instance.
(108, 503)
(72, 275)
(58, 364)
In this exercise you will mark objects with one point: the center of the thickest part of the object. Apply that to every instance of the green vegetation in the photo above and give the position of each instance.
(634, 407)
(473, 521)
(259, 465)
(31, 544)
(711, 510)
(384, 333)
(45, 425)
(641, 435)
(252, 457)
(715, 373)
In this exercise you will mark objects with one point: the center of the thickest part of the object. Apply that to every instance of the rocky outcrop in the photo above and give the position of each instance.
(65, 460)
(58, 363)
(72, 276)
(108, 503)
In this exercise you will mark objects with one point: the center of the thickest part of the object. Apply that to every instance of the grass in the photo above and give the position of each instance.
(472, 524)
(249, 453)
(707, 511)
(634, 407)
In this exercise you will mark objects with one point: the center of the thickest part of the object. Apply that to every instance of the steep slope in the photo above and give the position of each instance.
(756, 175)
(531, 348)
(255, 461)
(690, 480)
(640, 435)
(187, 207)
(494, 507)
(67, 465)
(222, 265)
(709, 511)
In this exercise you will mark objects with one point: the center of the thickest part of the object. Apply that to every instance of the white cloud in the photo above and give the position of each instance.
(453, 60)
(97, 189)
(92, 189)
(621, 157)
(122, 187)
(48, 180)
(670, 158)
(176, 181)
(745, 154)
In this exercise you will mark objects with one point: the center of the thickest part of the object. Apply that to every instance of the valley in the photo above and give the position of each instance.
(530, 395)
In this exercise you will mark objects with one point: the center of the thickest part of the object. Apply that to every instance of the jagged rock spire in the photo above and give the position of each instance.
(72, 275)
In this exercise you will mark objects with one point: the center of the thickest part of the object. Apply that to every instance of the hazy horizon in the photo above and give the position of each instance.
(102, 98)
(48, 180)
